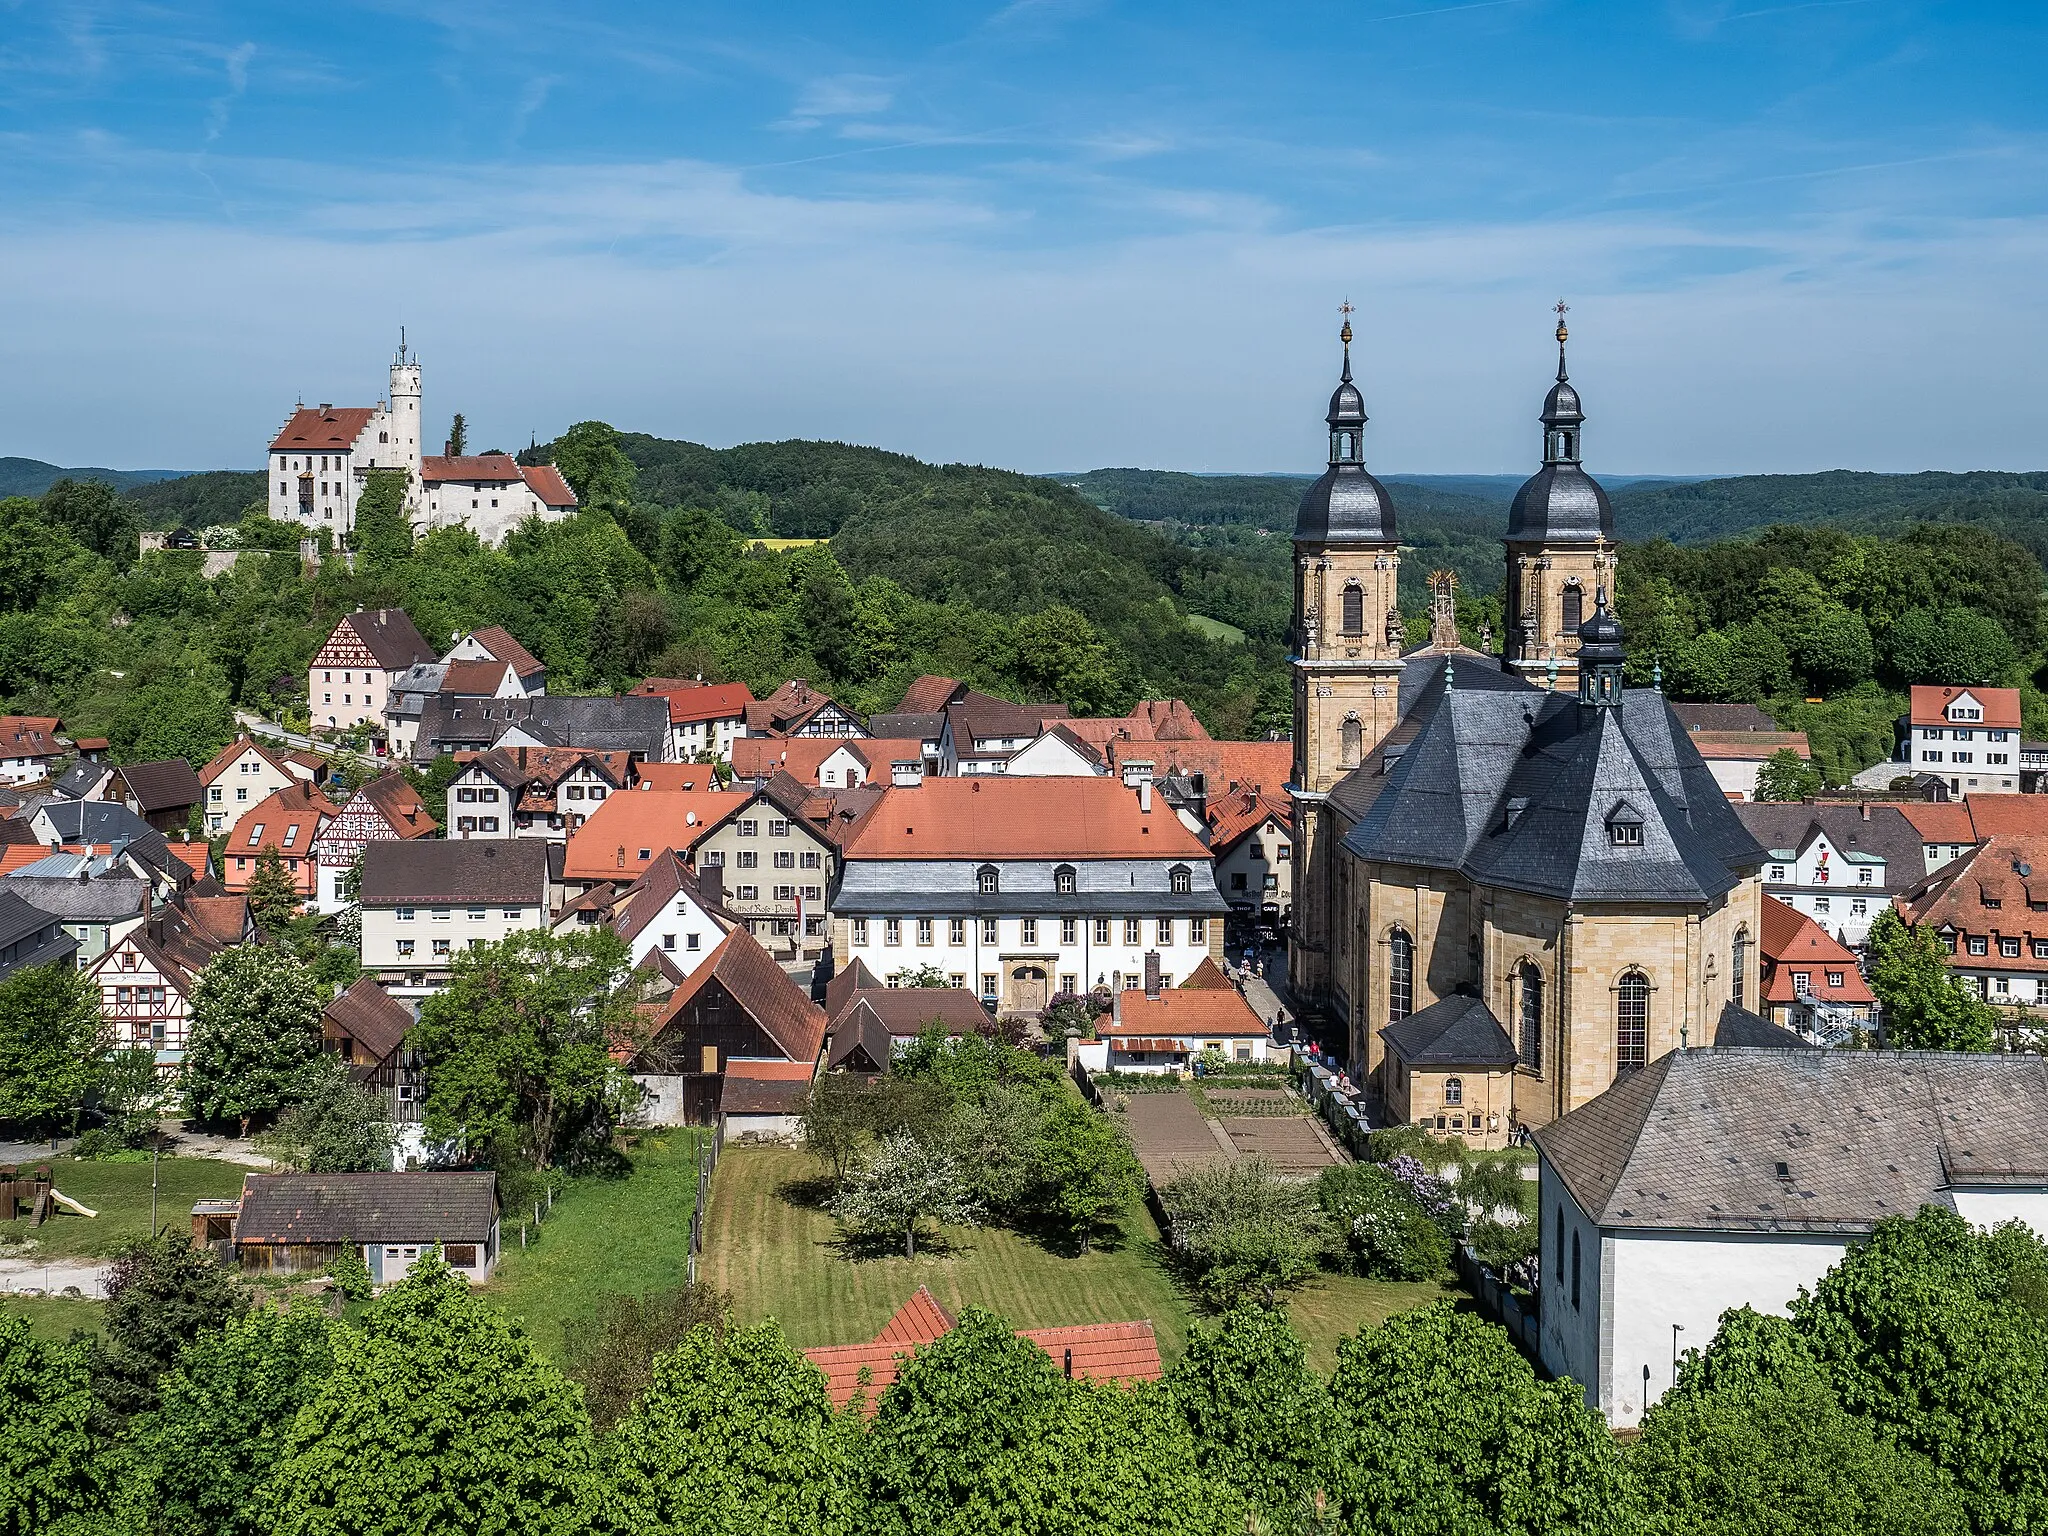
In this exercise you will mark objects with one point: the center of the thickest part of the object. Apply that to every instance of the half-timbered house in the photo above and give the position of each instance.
(350, 679)
(146, 980)
(386, 809)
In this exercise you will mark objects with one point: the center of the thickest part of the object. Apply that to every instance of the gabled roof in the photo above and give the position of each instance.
(1090, 1351)
(547, 484)
(322, 430)
(29, 735)
(609, 843)
(1456, 1031)
(1208, 975)
(665, 879)
(389, 635)
(762, 988)
(233, 752)
(803, 757)
(399, 804)
(488, 468)
(21, 920)
(270, 822)
(1236, 815)
(477, 678)
(906, 1012)
(979, 716)
(1696, 1140)
(1747, 746)
(1886, 834)
(1941, 821)
(165, 786)
(993, 817)
(499, 645)
(104, 823)
(1186, 1012)
(844, 983)
(466, 871)
(1168, 720)
(788, 709)
(674, 776)
(81, 779)
(2001, 706)
(1995, 815)
(1723, 717)
(371, 1017)
(755, 1087)
(1738, 1026)
(1793, 942)
(929, 695)
(367, 1207)
(690, 701)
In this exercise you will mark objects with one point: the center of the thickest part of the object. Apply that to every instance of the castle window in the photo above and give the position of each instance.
(1631, 1021)
(1738, 962)
(1353, 736)
(1354, 609)
(1532, 1016)
(1574, 607)
(1400, 976)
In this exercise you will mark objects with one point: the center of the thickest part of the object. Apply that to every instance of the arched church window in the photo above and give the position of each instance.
(1574, 607)
(1354, 609)
(1575, 1271)
(1631, 1021)
(1531, 1019)
(1454, 1091)
(1738, 964)
(1354, 741)
(1400, 976)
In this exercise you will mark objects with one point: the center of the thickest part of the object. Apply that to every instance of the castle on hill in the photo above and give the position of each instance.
(1516, 880)
(321, 459)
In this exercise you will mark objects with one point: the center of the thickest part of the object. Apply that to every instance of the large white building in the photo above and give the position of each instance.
(1969, 738)
(1722, 1178)
(1026, 888)
(322, 457)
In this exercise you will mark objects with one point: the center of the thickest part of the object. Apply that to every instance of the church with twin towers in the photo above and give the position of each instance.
(1515, 879)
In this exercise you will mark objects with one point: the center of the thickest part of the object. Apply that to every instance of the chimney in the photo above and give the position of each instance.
(383, 615)
(1152, 974)
(711, 884)
(1145, 796)
(1137, 770)
(906, 773)
(1866, 810)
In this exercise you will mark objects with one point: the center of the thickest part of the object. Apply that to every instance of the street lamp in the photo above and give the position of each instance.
(1676, 1330)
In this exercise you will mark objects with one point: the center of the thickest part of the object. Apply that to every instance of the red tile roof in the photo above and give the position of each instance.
(803, 756)
(496, 467)
(232, 753)
(473, 678)
(1959, 896)
(1091, 1351)
(315, 431)
(1243, 811)
(783, 1010)
(2001, 706)
(2000, 815)
(607, 846)
(1747, 745)
(691, 702)
(1792, 942)
(756, 1087)
(546, 482)
(287, 820)
(993, 817)
(399, 804)
(29, 735)
(1183, 1011)
(498, 643)
(927, 696)
(674, 776)
(1939, 821)
(1208, 975)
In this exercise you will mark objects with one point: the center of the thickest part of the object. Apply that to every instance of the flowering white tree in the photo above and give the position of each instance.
(902, 1181)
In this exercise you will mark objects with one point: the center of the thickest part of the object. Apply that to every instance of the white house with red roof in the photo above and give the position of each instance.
(1969, 738)
(323, 454)
(704, 719)
(242, 774)
(489, 493)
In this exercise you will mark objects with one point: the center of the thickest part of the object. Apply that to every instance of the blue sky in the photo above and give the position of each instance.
(1049, 234)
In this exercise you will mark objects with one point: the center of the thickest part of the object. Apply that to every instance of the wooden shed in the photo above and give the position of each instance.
(295, 1223)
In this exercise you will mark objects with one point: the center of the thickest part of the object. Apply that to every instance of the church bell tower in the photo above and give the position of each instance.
(1560, 544)
(1346, 658)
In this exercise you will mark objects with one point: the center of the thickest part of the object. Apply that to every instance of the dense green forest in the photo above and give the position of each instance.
(1079, 590)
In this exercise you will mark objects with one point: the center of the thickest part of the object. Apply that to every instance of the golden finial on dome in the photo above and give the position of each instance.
(1561, 307)
(1345, 310)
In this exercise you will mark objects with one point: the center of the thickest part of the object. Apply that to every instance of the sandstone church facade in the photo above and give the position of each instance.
(1520, 830)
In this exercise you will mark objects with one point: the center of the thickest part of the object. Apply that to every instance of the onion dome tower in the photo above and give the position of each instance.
(1347, 640)
(1601, 656)
(1560, 539)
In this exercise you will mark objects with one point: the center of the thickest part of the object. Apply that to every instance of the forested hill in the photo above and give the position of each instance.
(2015, 505)
(32, 477)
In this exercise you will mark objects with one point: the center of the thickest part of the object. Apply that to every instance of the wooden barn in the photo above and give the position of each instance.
(299, 1223)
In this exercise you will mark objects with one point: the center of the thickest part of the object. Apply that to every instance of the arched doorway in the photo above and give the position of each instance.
(1029, 988)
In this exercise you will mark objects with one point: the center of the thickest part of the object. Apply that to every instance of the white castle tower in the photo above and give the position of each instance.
(405, 408)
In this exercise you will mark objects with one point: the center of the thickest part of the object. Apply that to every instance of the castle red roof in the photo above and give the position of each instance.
(314, 430)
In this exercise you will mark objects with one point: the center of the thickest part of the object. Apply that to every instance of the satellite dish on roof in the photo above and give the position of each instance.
(2025, 869)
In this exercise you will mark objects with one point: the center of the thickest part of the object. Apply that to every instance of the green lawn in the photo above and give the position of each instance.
(1216, 629)
(630, 1235)
(53, 1317)
(120, 1193)
(779, 1255)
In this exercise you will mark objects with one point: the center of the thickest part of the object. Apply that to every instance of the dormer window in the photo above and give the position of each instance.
(986, 880)
(1625, 826)
(1063, 880)
(1181, 880)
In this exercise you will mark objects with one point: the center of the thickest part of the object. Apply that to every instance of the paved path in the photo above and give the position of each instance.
(54, 1278)
(256, 725)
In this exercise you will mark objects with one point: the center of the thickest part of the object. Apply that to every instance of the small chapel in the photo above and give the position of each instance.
(1515, 878)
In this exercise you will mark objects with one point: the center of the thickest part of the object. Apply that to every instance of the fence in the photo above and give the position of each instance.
(707, 1159)
(1344, 1112)
(1500, 1303)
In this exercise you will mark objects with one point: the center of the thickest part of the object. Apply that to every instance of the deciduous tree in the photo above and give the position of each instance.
(517, 1049)
(735, 1433)
(337, 1125)
(47, 1447)
(1086, 1177)
(437, 1419)
(901, 1182)
(1927, 1007)
(1240, 1231)
(162, 1296)
(53, 1045)
(1787, 776)
(1262, 1421)
(255, 1031)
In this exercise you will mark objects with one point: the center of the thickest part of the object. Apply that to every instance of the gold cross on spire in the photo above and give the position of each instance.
(1561, 307)
(1346, 311)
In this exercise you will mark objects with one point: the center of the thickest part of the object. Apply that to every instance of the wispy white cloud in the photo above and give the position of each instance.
(838, 96)
(237, 66)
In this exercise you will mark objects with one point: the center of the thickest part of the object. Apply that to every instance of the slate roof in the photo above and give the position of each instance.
(1515, 787)
(1695, 1140)
(1723, 717)
(367, 1207)
(1738, 1026)
(434, 870)
(903, 726)
(22, 923)
(449, 722)
(81, 779)
(109, 899)
(1887, 834)
(372, 1017)
(1458, 1031)
(107, 822)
